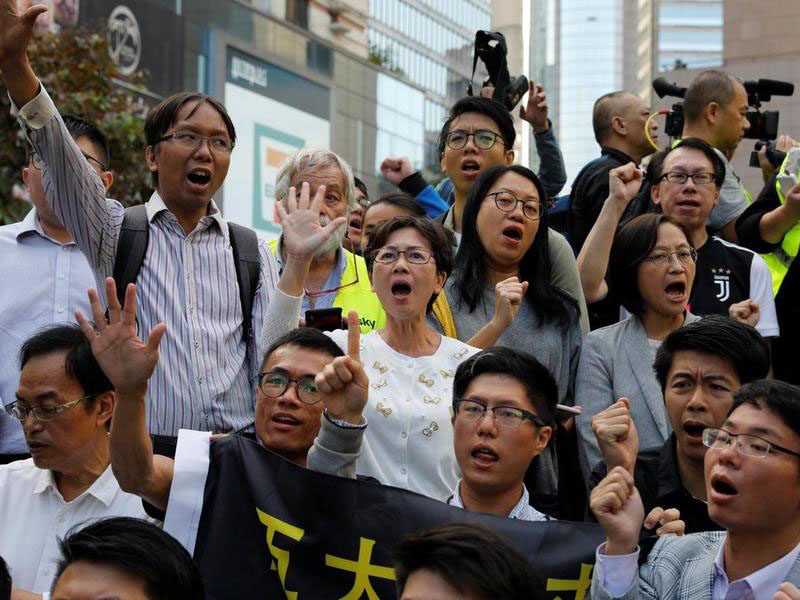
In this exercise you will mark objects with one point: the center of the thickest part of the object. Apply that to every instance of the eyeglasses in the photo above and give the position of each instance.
(191, 141)
(749, 445)
(702, 178)
(274, 383)
(505, 417)
(485, 139)
(507, 202)
(351, 249)
(42, 413)
(685, 257)
(38, 163)
(415, 256)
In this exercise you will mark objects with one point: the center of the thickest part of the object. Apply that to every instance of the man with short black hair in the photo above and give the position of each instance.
(125, 558)
(40, 244)
(461, 561)
(65, 403)
(715, 110)
(752, 478)
(699, 367)
(618, 119)
(192, 255)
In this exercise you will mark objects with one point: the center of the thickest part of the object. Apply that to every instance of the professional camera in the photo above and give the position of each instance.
(491, 48)
(763, 125)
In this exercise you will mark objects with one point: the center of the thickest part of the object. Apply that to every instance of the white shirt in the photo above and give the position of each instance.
(34, 516)
(522, 510)
(620, 574)
(409, 441)
(43, 282)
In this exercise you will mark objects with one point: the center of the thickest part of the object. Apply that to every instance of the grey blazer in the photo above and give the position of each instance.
(678, 568)
(617, 361)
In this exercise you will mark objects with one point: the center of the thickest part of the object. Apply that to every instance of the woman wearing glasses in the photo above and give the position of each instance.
(500, 292)
(651, 271)
(409, 441)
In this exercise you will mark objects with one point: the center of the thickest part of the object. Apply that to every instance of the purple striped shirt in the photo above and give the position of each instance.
(206, 376)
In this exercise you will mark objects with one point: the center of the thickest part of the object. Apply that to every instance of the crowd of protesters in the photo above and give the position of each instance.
(634, 370)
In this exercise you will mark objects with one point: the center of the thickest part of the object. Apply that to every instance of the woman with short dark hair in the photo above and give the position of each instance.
(651, 271)
(409, 441)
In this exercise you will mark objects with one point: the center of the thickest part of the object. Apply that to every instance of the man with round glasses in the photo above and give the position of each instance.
(729, 279)
(752, 480)
(64, 403)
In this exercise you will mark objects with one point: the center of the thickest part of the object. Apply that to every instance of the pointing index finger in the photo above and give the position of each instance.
(353, 336)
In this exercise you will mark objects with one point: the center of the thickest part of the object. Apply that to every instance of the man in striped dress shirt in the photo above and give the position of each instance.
(207, 373)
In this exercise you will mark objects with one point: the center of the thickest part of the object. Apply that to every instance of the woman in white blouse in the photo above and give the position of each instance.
(409, 442)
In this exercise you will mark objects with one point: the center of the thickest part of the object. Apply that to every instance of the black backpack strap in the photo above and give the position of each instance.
(131, 248)
(244, 244)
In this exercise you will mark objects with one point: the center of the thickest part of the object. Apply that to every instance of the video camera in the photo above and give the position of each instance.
(491, 48)
(763, 125)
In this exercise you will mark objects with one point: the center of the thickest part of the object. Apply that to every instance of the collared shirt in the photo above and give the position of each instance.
(34, 515)
(733, 198)
(760, 585)
(334, 280)
(522, 510)
(659, 483)
(450, 223)
(44, 281)
(619, 575)
(206, 376)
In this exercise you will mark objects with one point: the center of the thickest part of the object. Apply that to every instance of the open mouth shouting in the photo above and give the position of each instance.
(355, 222)
(676, 292)
(694, 431)
(484, 457)
(401, 290)
(512, 234)
(723, 490)
(470, 167)
(199, 179)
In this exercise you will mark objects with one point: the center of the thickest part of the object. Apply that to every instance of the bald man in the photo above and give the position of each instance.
(618, 120)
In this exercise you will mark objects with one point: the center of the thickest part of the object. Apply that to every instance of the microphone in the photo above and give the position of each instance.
(765, 88)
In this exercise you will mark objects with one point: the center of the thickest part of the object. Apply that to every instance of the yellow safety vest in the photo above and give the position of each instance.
(779, 260)
(358, 297)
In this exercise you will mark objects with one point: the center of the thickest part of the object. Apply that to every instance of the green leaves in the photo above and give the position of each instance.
(76, 68)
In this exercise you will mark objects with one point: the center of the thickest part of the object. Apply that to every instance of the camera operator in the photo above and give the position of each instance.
(715, 110)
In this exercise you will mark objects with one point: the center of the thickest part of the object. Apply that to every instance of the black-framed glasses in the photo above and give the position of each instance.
(701, 178)
(685, 257)
(507, 202)
(485, 139)
(415, 256)
(274, 383)
(747, 444)
(506, 417)
(191, 141)
(42, 413)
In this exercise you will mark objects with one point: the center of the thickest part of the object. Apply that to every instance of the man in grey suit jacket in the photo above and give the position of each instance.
(753, 487)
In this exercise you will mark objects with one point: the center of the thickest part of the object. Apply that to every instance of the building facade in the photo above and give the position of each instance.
(689, 34)
(294, 73)
(429, 43)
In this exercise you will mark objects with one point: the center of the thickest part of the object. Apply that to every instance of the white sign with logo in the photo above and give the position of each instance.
(125, 39)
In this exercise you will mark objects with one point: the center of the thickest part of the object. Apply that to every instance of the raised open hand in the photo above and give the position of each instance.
(303, 235)
(16, 31)
(127, 361)
(343, 383)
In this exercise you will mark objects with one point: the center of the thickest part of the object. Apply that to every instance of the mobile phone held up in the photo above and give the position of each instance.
(325, 319)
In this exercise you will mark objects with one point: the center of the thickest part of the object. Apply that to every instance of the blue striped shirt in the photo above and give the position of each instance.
(206, 376)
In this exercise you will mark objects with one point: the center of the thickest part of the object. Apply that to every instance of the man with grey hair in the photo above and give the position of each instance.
(337, 277)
